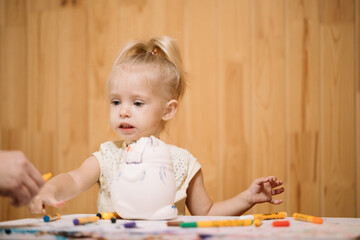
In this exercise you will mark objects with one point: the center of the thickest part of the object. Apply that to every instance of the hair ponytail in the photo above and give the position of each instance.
(161, 51)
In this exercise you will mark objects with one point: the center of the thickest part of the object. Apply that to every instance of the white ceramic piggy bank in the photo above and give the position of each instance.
(144, 187)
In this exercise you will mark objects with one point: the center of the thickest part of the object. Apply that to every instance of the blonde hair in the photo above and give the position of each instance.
(164, 54)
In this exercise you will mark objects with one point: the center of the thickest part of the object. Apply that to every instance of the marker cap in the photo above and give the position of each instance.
(317, 220)
(285, 223)
(46, 218)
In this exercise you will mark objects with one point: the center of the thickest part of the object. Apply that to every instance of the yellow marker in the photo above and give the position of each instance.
(107, 215)
(217, 223)
(278, 215)
(85, 220)
(52, 217)
(47, 176)
(257, 222)
(307, 218)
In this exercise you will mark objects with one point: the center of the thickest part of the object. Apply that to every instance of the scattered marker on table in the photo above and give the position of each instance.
(85, 220)
(52, 217)
(107, 215)
(113, 220)
(257, 222)
(173, 223)
(269, 216)
(130, 225)
(217, 223)
(285, 223)
(307, 218)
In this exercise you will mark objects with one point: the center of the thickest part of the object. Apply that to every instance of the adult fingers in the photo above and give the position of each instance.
(31, 185)
(35, 175)
(20, 196)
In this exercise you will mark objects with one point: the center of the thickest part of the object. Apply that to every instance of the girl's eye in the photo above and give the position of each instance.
(138, 104)
(115, 102)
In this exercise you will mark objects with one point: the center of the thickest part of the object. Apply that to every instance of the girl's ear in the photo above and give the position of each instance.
(170, 110)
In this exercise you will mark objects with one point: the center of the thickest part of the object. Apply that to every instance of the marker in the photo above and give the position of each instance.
(174, 223)
(85, 220)
(47, 176)
(285, 223)
(269, 216)
(113, 220)
(307, 218)
(257, 222)
(52, 217)
(218, 223)
(130, 225)
(107, 215)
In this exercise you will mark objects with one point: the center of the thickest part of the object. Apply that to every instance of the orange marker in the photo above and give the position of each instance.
(47, 176)
(307, 218)
(85, 220)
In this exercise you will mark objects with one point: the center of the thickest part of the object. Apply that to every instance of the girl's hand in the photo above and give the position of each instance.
(262, 190)
(39, 203)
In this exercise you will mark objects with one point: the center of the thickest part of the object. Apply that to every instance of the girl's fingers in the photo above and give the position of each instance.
(277, 191)
(36, 206)
(260, 181)
(54, 203)
(276, 201)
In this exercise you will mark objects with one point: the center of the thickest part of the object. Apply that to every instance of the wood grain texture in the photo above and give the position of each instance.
(202, 58)
(357, 79)
(234, 97)
(303, 117)
(273, 89)
(268, 92)
(337, 109)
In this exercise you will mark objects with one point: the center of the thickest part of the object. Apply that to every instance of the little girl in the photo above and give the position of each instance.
(144, 87)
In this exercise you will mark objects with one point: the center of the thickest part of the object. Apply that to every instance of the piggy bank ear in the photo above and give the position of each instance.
(134, 152)
(153, 141)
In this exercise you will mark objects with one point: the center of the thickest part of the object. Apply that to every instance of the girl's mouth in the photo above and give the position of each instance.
(125, 126)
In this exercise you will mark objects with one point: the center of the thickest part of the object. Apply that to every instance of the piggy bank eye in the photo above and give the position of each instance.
(130, 149)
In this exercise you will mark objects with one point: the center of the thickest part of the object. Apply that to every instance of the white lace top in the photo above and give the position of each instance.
(110, 157)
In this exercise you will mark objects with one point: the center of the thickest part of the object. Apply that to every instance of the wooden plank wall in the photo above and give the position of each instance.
(274, 89)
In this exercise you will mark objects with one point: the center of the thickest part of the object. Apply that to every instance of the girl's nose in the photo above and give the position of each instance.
(124, 112)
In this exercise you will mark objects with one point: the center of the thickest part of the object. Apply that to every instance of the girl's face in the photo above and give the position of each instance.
(136, 110)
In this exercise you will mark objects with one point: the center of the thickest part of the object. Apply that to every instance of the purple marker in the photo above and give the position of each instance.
(130, 225)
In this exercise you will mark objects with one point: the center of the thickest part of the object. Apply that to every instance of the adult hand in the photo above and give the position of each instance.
(19, 179)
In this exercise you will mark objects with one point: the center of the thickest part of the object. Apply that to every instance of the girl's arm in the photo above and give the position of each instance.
(66, 186)
(261, 190)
